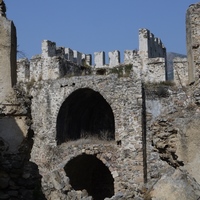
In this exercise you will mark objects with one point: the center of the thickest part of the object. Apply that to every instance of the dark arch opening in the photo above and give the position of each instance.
(85, 112)
(89, 173)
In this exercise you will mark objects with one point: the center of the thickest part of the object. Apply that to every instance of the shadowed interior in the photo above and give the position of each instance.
(88, 172)
(85, 113)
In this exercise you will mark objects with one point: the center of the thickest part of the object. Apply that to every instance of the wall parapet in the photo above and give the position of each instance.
(130, 56)
(49, 49)
(57, 62)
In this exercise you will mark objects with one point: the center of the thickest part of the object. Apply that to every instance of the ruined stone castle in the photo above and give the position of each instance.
(75, 127)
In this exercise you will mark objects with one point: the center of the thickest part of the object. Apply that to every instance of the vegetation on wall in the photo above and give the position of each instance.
(121, 70)
(158, 89)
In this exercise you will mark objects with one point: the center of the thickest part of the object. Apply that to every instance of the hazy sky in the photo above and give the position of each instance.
(97, 25)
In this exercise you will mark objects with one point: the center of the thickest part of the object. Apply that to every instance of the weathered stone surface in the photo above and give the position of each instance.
(8, 75)
(153, 126)
(114, 58)
(188, 147)
(2, 8)
(19, 178)
(57, 62)
(175, 184)
(150, 46)
(180, 71)
(154, 70)
(48, 49)
(15, 120)
(99, 59)
(193, 35)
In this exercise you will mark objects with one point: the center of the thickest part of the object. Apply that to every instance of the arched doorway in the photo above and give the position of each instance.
(88, 172)
(85, 112)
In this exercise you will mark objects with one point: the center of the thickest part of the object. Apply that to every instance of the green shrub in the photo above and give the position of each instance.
(122, 70)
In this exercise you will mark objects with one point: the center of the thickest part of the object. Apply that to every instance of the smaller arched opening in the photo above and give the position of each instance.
(85, 113)
(89, 173)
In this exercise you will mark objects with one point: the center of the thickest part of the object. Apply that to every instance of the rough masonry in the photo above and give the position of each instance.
(99, 131)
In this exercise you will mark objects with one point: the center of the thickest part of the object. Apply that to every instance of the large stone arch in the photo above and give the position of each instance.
(85, 113)
(89, 173)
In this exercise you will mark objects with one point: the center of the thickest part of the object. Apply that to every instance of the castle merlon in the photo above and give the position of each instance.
(56, 62)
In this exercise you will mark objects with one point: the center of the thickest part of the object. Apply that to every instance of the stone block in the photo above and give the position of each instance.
(143, 42)
(69, 54)
(48, 49)
(114, 58)
(77, 57)
(99, 59)
(129, 56)
(88, 59)
(115, 174)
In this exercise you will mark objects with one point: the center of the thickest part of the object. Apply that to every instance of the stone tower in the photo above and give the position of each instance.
(193, 45)
(8, 44)
(12, 123)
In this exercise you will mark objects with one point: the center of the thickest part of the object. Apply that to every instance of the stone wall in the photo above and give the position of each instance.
(19, 178)
(52, 78)
(172, 118)
(8, 45)
(114, 130)
(150, 46)
(154, 70)
(161, 140)
(130, 57)
(193, 38)
(54, 62)
(15, 119)
(13, 113)
(121, 156)
(180, 71)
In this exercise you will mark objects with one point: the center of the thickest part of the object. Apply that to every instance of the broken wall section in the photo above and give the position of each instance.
(180, 66)
(172, 124)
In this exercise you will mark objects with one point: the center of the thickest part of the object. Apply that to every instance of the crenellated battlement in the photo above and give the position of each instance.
(57, 62)
(49, 50)
(114, 58)
(150, 46)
